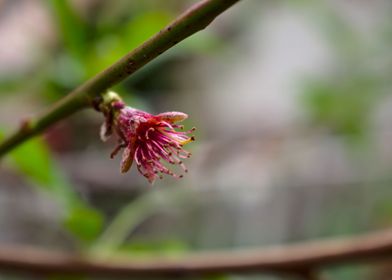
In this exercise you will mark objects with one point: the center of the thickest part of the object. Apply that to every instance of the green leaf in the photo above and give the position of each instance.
(132, 215)
(33, 160)
(84, 222)
(342, 104)
(72, 30)
(201, 43)
(143, 26)
(110, 48)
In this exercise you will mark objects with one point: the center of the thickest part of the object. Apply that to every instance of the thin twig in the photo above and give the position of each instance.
(191, 21)
(286, 259)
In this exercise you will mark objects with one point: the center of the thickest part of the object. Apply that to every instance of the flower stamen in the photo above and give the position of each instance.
(150, 140)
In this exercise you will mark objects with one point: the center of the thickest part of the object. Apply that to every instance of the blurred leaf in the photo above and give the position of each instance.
(33, 159)
(132, 215)
(11, 85)
(72, 29)
(105, 52)
(67, 72)
(349, 272)
(343, 105)
(86, 223)
(69, 67)
(111, 47)
(382, 210)
(143, 26)
(202, 42)
(342, 35)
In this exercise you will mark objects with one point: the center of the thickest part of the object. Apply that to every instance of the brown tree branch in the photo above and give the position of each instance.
(285, 259)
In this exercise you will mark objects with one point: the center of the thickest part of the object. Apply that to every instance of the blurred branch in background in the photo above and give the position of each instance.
(301, 260)
(191, 21)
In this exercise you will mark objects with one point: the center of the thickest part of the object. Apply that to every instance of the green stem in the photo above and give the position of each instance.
(191, 21)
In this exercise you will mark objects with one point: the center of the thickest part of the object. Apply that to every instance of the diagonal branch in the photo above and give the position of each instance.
(290, 259)
(191, 21)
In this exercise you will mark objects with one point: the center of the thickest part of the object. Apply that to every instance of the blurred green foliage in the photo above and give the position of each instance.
(342, 104)
(84, 222)
(34, 161)
(344, 98)
(135, 213)
(111, 47)
(72, 29)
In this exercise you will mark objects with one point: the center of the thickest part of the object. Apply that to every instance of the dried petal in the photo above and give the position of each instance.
(127, 158)
(106, 131)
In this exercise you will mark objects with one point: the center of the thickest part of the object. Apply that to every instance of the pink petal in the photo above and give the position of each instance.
(172, 116)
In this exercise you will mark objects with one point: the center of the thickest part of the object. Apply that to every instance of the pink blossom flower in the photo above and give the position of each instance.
(151, 141)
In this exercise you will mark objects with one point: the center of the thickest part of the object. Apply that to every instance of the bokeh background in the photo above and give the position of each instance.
(292, 104)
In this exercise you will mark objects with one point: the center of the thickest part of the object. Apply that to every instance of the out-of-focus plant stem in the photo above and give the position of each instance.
(191, 21)
(135, 213)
